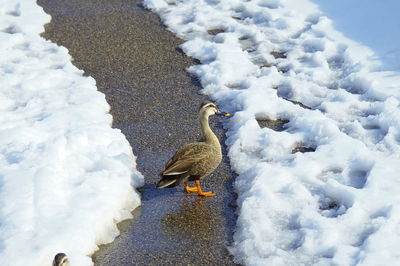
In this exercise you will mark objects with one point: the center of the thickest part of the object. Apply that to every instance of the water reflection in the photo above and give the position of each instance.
(195, 220)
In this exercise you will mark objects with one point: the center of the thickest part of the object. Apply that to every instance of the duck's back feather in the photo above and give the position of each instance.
(194, 159)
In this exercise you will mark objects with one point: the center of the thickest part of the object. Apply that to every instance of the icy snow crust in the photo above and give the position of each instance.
(66, 177)
(283, 61)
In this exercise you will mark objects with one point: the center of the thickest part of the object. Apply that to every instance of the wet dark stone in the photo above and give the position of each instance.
(215, 31)
(243, 38)
(300, 104)
(266, 65)
(277, 125)
(303, 149)
(278, 55)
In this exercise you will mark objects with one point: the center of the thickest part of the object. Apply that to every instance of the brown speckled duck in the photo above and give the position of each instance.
(195, 161)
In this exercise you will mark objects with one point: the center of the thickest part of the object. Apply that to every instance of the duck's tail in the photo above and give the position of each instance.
(171, 180)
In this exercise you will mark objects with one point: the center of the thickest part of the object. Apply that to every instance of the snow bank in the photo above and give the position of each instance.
(66, 177)
(315, 136)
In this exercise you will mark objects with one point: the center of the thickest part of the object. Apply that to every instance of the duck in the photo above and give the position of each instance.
(195, 161)
(61, 260)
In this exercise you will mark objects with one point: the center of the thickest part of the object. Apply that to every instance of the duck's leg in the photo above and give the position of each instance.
(200, 192)
(190, 189)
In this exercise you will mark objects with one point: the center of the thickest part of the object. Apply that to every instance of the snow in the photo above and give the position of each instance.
(321, 187)
(66, 177)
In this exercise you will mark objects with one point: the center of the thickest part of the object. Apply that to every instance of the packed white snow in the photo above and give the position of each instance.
(321, 187)
(66, 177)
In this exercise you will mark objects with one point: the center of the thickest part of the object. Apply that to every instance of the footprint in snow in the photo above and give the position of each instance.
(15, 12)
(11, 29)
(314, 45)
(271, 4)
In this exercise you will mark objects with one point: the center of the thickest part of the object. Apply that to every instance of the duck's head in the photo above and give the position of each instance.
(209, 108)
(61, 260)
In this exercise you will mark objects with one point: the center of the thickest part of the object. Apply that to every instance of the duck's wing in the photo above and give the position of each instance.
(185, 158)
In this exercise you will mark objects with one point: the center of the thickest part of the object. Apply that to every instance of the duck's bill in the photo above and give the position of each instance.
(224, 114)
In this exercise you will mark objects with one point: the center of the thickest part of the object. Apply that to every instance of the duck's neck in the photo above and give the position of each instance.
(208, 134)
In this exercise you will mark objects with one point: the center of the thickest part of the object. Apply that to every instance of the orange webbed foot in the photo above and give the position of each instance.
(201, 193)
(206, 194)
(190, 189)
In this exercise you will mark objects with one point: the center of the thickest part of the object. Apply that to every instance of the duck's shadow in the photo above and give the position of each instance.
(150, 192)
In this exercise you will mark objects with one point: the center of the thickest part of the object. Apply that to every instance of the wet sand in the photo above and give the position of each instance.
(137, 64)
